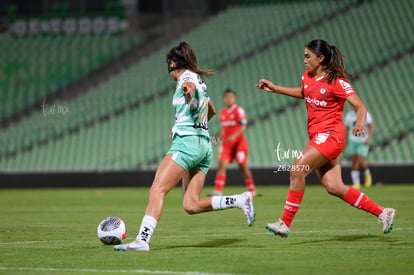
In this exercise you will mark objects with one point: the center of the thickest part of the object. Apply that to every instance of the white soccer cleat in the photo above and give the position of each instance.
(133, 246)
(247, 206)
(279, 228)
(386, 218)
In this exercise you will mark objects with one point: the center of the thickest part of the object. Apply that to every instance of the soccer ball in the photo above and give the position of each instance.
(112, 230)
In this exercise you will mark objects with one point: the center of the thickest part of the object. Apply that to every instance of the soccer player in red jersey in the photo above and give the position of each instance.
(325, 89)
(234, 143)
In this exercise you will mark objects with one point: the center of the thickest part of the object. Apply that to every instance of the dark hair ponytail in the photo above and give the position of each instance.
(184, 57)
(333, 61)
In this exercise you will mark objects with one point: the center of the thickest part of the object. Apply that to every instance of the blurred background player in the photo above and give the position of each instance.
(358, 147)
(234, 144)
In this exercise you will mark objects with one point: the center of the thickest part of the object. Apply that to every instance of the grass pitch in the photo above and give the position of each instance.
(50, 231)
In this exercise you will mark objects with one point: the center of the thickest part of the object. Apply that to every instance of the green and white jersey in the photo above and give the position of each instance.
(350, 120)
(190, 122)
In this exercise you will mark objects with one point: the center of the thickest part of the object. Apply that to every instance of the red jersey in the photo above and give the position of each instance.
(231, 120)
(325, 103)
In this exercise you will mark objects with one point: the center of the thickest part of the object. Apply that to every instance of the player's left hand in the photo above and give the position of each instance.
(359, 131)
(188, 89)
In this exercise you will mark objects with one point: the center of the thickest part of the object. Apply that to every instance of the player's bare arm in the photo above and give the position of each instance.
(211, 110)
(237, 133)
(361, 110)
(188, 89)
(270, 87)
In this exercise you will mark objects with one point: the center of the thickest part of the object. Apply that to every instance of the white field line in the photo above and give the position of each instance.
(217, 235)
(85, 270)
(31, 242)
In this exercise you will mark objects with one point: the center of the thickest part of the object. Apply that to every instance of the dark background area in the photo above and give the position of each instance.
(263, 176)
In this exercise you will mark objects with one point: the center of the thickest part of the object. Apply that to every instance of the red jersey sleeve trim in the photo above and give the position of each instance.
(343, 88)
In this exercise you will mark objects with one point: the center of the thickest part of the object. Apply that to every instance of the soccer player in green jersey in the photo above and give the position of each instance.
(358, 148)
(190, 155)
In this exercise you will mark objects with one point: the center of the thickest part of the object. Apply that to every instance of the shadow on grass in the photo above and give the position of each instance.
(353, 238)
(212, 243)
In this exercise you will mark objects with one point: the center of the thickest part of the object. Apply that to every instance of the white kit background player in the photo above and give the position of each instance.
(358, 148)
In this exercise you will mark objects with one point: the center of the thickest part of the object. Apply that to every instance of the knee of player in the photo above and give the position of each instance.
(157, 190)
(190, 206)
(191, 209)
(334, 188)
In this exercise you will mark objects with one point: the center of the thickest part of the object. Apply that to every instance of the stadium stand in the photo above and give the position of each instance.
(398, 151)
(124, 122)
(34, 67)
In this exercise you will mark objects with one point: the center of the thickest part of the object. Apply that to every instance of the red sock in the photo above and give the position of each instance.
(249, 185)
(219, 182)
(359, 200)
(292, 205)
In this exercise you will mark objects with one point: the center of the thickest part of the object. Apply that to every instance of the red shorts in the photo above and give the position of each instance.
(330, 143)
(237, 150)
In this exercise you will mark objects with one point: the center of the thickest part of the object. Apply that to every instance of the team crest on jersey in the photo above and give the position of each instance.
(322, 90)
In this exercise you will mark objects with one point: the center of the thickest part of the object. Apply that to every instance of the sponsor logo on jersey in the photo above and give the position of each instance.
(228, 123)
(202, 125)
(316, 101)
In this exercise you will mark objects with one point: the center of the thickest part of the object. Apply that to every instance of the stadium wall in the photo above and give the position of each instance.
(382, 174)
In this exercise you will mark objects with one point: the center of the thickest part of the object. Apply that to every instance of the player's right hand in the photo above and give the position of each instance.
(359, 131)
(265, 85)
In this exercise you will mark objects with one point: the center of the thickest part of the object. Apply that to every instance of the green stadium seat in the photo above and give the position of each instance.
(113, 135)
(41, 65)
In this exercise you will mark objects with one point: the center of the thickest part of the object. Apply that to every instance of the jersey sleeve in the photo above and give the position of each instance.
(303, 79)
(369, 118)
(188, 77)
(343, 89)
(200, 91)
(241, 116)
